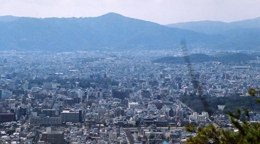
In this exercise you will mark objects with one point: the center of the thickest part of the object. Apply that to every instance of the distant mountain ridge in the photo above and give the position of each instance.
(111, 32)
(8, 18)
(217, 27)
(239, 35)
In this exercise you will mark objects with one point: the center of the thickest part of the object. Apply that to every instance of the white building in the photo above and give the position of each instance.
(132, 104)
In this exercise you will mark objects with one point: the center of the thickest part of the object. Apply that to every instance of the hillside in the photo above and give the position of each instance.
(217, 27)
(116, 32)
(107, 32)
(207, 27)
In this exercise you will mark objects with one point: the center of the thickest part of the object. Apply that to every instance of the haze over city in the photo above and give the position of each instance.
(129, 71)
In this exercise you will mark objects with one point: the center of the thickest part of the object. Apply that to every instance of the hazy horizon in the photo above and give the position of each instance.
(124, 16)
(158, 11)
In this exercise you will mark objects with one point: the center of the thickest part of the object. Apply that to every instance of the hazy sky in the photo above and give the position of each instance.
(159, 11)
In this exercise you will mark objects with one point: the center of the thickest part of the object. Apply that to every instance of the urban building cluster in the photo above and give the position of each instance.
(109, 97)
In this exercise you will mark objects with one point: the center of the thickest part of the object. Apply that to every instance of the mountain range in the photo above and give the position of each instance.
(116, 32)
(217, 27)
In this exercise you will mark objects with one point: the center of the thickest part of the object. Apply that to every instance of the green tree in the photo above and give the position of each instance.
(10, 132)
(86, 124)
(247, 132)
(78, 124)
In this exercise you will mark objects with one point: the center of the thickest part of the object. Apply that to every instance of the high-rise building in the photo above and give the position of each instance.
(7, 117)
(180, 114)
(49, 112)
(70, 116)
(171, 113)
(119, 112)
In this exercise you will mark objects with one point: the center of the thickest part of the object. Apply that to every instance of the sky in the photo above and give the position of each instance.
(159, 11)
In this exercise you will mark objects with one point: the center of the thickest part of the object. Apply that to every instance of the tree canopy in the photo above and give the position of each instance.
(244, 132)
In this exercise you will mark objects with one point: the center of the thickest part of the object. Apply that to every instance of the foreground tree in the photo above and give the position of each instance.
(246, 132)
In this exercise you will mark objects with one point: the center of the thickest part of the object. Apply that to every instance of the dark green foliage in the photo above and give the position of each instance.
(231, 103)
(248, 133)
(252, 92)
(190, 128)
(10, 132)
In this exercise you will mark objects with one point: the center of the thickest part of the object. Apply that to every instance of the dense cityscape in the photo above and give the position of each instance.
(113, 97)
